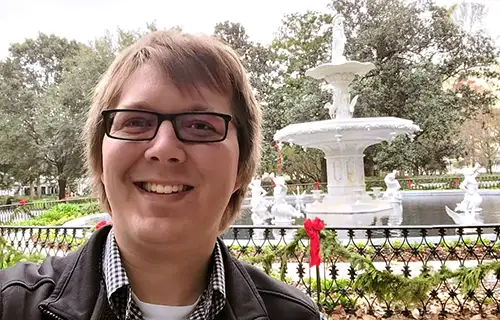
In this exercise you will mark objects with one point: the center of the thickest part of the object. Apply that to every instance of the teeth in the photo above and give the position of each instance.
(166, 189)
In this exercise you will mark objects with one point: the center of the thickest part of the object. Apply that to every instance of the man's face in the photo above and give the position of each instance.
(164, 189)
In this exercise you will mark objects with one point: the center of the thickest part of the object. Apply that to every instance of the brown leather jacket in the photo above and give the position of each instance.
(71, 288)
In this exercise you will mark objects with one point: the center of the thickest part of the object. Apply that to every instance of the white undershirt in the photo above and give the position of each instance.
(161, 312)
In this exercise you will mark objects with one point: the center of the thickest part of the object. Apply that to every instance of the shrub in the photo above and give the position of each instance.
(57, 215)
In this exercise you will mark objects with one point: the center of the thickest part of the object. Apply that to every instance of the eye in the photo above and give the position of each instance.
(201, 126)
(137, 122)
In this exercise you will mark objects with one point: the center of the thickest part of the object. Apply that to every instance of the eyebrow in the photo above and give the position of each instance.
(143, 105)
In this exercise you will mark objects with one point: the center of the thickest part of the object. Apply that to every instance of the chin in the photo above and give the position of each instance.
(160, 229)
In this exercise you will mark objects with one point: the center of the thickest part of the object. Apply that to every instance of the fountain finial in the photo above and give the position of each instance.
(338, 39)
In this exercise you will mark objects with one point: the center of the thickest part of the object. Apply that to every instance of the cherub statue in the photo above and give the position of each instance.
(331, 109)
(392, 192)
(281, 210)
(258, 193)
(472, 199)
(258, 202)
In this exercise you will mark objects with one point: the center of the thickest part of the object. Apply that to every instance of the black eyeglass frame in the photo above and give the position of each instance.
(106, 114)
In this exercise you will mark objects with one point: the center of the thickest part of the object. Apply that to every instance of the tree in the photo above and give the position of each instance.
(419, 53)
(45, 91)
(35, 124)
(262, 67)
(418, 50)
(300, 43)
(257, 59)
(481, 139)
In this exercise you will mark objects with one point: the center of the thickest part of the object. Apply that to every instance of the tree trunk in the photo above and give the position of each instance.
(62, 188)
(32, 190)
(38, 188)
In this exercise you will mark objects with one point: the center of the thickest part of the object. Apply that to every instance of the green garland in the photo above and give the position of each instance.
(383, 284)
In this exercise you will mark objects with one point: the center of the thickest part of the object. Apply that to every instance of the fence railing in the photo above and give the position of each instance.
(438, 268)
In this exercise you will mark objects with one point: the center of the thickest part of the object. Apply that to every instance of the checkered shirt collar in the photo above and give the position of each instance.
(119, 293)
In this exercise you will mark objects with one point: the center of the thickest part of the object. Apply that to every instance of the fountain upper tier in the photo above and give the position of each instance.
(337, 134)
(344, 68)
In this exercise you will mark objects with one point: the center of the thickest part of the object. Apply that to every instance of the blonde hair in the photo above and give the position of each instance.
(190, 61)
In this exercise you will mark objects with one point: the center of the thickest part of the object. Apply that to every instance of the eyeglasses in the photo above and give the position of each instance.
(142, 125)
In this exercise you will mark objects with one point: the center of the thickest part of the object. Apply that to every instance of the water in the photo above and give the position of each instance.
(420, 209)
(429, 210)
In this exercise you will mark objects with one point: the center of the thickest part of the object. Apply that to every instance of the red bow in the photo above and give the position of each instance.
(102, 224)
(313, 228)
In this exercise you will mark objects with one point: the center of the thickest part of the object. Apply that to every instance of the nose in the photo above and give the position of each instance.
(165, 147)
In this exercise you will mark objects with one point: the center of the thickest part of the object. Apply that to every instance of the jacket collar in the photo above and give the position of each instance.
(243, 302)
(78, 289)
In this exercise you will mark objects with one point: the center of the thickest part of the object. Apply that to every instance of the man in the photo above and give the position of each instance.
(173, 138)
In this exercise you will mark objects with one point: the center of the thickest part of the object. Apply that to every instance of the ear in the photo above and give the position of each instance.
(237, 183)
(237, 186)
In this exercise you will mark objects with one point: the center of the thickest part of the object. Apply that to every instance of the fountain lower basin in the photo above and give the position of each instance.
(341, 133)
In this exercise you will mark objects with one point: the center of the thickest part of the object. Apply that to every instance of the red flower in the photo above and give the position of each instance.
(22, 202)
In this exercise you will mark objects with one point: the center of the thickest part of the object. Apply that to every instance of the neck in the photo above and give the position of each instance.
(175, 275)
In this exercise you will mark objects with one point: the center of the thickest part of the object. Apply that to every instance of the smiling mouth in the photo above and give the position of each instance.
(163, 189)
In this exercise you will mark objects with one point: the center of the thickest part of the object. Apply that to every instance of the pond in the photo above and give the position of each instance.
(420, 209)
(430, 210)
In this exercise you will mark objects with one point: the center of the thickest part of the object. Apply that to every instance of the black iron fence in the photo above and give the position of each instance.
(438, 269)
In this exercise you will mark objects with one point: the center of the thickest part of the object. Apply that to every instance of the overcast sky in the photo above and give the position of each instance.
(85, 20)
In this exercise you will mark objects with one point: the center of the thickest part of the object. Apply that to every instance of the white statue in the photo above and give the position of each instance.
(341, 106)
(258, 204)
(338, 39)
(392, 192)
(299, 204)
(281, 210)
(467, 211)
(283, 214)
(472, 199)
(331, 108)
(258, 194)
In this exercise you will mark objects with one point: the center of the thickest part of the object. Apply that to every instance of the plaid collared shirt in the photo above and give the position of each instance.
(120, 296)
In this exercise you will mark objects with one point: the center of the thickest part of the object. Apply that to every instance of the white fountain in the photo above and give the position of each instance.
(343, 139)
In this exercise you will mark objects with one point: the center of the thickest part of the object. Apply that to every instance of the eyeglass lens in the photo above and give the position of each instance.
(137, 125)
